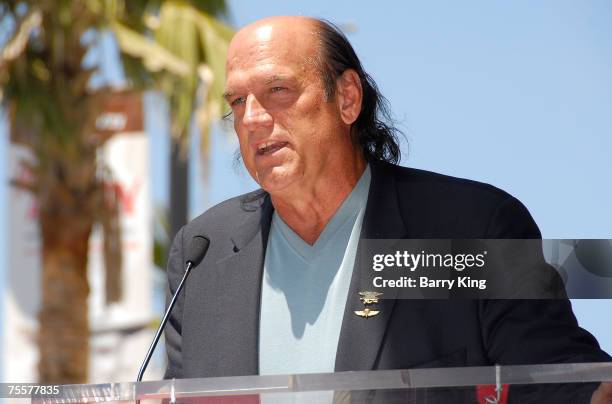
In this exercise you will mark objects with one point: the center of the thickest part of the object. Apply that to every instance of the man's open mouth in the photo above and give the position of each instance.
(270, 147)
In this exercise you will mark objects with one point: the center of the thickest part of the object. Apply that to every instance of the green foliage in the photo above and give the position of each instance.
(183, 52)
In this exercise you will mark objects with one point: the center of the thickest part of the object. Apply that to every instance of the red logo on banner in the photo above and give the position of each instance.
(488, 391)
(127, 196)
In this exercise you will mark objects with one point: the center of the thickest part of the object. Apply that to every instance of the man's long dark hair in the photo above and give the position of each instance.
(373, 130)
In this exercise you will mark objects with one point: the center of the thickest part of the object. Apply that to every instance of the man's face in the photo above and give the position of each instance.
(287, 131)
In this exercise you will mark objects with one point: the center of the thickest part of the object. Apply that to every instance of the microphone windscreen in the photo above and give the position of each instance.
(197, 250)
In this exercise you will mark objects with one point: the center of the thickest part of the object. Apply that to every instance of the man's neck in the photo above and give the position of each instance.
(308, 214)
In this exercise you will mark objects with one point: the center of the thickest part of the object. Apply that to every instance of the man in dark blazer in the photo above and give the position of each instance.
(308, 119)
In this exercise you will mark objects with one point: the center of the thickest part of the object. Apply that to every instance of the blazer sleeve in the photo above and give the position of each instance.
(173, 330)
(519, 332)
(531, 331)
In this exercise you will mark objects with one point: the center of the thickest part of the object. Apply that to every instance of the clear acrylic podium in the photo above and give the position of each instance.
(571, 383)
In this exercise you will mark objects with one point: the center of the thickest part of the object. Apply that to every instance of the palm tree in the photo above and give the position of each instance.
(46, 89)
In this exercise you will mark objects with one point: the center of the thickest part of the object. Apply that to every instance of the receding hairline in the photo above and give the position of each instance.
(317, 26)
(268, 20)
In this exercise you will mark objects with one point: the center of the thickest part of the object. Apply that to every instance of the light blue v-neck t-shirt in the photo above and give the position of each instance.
(305, 287)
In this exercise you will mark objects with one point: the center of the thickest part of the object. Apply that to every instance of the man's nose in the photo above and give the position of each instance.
(255, 114)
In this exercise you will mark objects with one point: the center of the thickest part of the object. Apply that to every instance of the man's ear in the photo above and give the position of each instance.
(350, 95)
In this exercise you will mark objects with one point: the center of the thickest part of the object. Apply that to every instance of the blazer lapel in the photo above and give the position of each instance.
(361, 338)
(236, 286)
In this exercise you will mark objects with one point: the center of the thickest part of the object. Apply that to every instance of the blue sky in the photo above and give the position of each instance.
(517, 94)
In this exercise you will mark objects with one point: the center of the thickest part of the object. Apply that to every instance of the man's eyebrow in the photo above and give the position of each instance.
(268, 80)
(274, 78)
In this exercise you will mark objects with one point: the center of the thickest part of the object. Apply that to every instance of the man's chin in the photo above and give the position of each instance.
(275, 183)
(279, 178)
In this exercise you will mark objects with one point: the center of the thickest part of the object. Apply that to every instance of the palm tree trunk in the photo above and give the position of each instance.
(179, 191)
(63, 319)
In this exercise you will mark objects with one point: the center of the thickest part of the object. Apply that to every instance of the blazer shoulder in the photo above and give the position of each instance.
(484, 210)
(453, 186)
(226, 216)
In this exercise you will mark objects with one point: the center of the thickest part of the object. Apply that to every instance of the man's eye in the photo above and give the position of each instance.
(237, 101)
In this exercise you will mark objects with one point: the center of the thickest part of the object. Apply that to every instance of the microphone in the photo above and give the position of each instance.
(195, 254)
